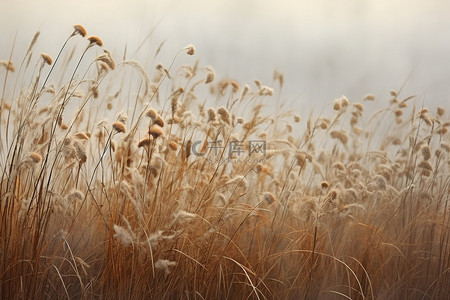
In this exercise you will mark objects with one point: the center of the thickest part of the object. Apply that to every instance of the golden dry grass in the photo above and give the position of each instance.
(114, 185)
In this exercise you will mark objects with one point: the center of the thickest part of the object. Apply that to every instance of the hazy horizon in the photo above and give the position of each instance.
(324, 49)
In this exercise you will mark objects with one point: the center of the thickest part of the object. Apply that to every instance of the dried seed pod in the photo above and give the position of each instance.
(119, 127)
(79, 29)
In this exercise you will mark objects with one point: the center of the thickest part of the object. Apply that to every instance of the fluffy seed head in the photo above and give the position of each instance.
(265, 91)
(82, 135)
(144, 142)
(47, 59)
(338, 165)
(337, 105)
(95, 40)
(174, 105)
(358, 106)
(324, 185)
(210, 74)
(156, 131)
(119, 127)
(173, 146)
(224, 115)
(340, 135)
(440, 111)
(442, 130)
(445, 146)
(426, 166)
(75, 195)
(79, 29)
(8, 65)
(107, 59)
(35, 157)
(426, 153)
(164, 265)
(159, 121)
(344, 101)
(235, 86)
(211, 115)
(245, 90)
(190, 49)
(124, 235)
(152, 114)
(278, 76)
(80, 152)
(300, 159)
(381, 182)
(369, 97)
(269, 197)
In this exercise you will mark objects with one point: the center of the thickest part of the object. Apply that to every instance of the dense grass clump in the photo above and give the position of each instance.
(125, 182)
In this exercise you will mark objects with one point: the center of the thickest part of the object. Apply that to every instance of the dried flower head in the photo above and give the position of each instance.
(324, 185)
(369, 97)
(340, 135)
(124, 235)
(381, 182)
(209, 75)
(224, 115)
(80, 152)
(47, 59)
(358, 106)
(164, 265)
(174, 105)
(35, 157)
(426, 166)
(144, 142)
(173, 146)
(337, 105)
(235, 86)
(245, 91)
(190, 49)
(344, 101)
(211, 115)
(300, 159)
(269, 197)
(79, 29)
(277, 75)
(95, 40)
(156, 131)
(106, 58)
(82, 135)
(265, 91)
(152, 114)
(445, 146)
(119, 127)
(440, 111)
(159, 121)
(8, 65)
(426, 152)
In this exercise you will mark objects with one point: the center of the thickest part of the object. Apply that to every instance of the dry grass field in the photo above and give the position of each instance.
(120, 181)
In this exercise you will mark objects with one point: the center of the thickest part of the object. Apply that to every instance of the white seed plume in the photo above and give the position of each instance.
(164, 265)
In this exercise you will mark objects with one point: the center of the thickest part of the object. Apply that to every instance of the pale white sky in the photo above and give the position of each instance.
(324, 48)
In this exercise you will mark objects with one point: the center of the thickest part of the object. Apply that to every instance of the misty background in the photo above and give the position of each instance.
(325, 49)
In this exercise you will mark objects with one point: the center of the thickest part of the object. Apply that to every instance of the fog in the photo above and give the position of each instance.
(325, 49)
